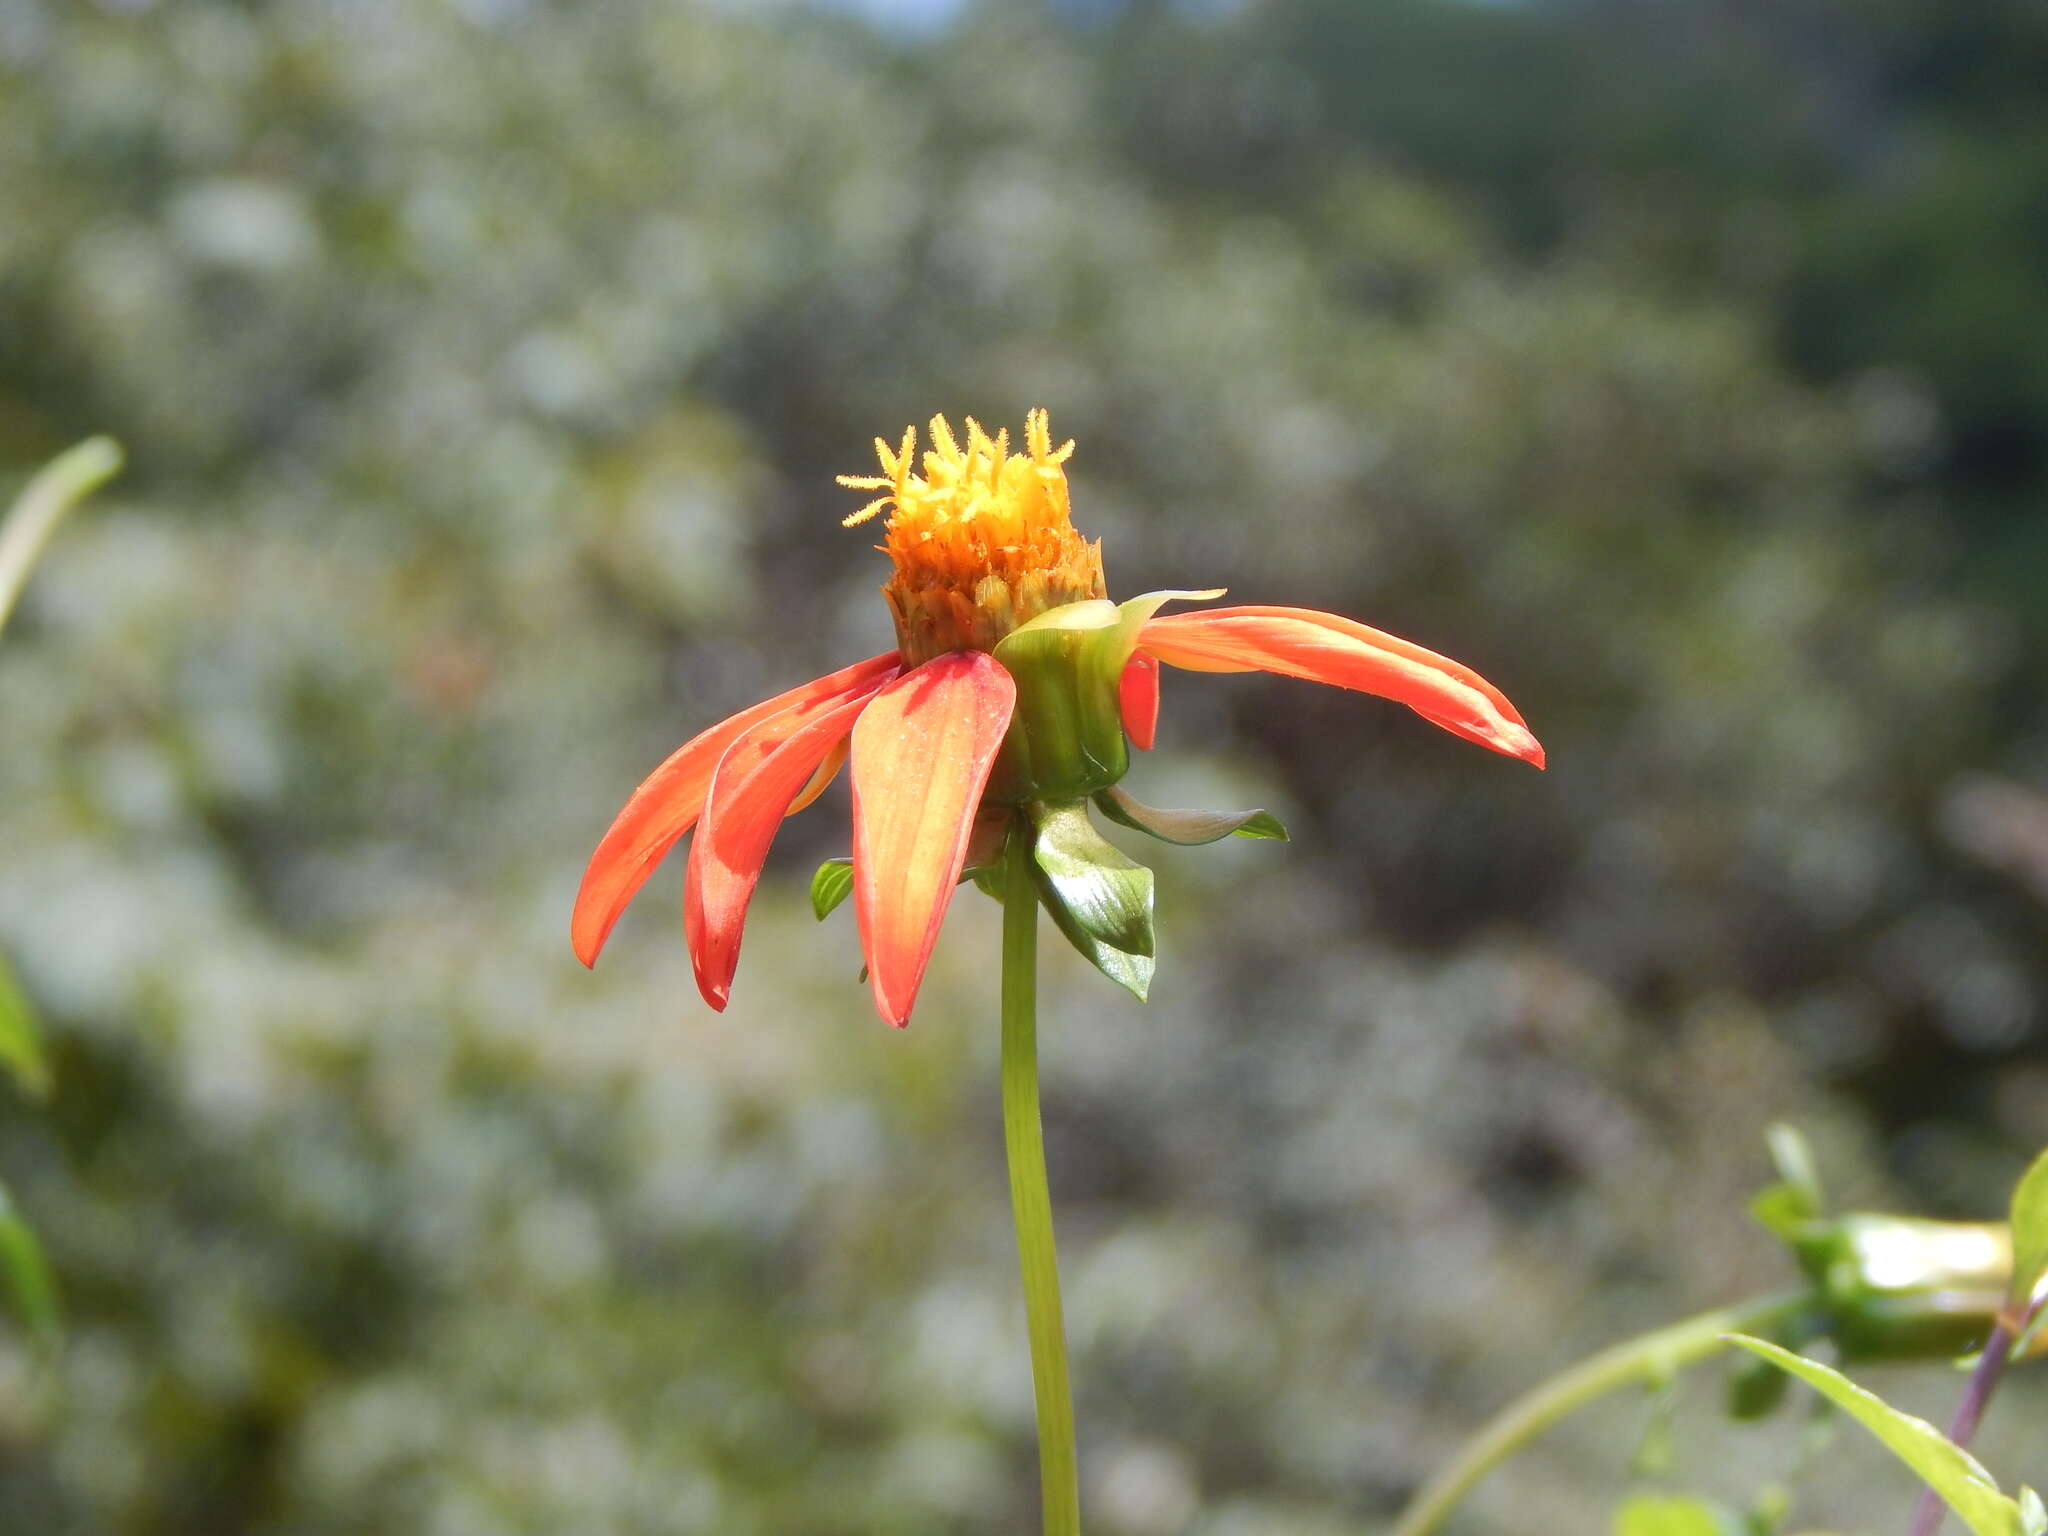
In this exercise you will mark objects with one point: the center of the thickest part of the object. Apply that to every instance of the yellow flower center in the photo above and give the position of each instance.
(982, 539)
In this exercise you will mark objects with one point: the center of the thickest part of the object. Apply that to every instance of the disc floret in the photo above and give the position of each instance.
(982, 538)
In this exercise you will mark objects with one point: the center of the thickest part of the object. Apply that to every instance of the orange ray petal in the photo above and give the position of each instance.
(753, 788)
(665, 806)
(1137, 696)
(1326, 648)
(922, 752)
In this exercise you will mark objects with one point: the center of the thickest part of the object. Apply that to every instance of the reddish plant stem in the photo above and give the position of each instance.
(1929, 1513)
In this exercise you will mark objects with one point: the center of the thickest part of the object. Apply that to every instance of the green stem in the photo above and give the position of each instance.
(1030, 1200)
(1648, 1359)
(61, 484)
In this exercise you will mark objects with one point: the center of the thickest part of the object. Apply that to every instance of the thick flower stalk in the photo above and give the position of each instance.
(1013, 695)
(977, 745)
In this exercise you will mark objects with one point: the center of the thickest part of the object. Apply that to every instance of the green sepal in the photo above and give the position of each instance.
(1066, 737)
(1189, 829)
(831, 885)
(1100, 899)
(1108, 893)
(1134, 613)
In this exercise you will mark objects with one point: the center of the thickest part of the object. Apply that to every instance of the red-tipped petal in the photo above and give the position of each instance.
(922, 752)
(663, 808)
(1137, 696)
(755, 784)
(1326, 648)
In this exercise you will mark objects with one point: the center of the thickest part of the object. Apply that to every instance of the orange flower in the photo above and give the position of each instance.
(1012, 688)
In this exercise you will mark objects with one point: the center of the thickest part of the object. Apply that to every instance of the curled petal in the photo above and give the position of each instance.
(1325, 648)
(1138, 698)
(821, 778)
(760, 776)
(922, 752)
(667, 804)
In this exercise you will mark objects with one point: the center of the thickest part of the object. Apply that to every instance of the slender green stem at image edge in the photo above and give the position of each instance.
(1646, 1360)
(1030, 1200)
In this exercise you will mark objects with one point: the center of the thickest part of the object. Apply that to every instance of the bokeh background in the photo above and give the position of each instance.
(484, 365)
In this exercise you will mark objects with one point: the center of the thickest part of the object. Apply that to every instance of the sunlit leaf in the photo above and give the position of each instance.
(1108, 894)
(1950, 1471)
(1187, 828)
(1101, 900)
(1797, 1170)
(2029, 1230)
(21, 1048)
(1651, 1515)
(31, 1288)
(831, 885)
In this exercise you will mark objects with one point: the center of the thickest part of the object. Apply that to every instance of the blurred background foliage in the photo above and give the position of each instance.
(483, 366)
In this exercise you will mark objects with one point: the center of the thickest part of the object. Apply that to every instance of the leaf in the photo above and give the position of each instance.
(2029, 1231)
(1950, 1471)
(1797, 1171)
(30, 1285)
(1755, 1389)
(45, 502)
(1131, 972)
(21, 1049)
(2033, 1518)
(1109, 895)
(1647, 1515)
(1100, 899)
(1188, 828)
(831, 885)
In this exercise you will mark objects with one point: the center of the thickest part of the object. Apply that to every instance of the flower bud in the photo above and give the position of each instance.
(1900, 1288)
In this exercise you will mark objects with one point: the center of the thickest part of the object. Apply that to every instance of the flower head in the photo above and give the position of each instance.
(982, 539)
(1001, 715)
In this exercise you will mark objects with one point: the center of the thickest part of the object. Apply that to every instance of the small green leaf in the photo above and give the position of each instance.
(1100, 899)
(1755, 1389)
(21, 1049)
(30, 1285)
(1188, 828)
(1131, 972)
(1646, 1515)
(1797, 1171)
(1950, 1471)
(831, 885)
(2029, 1231)
(1108, 895)
(2033, 1518)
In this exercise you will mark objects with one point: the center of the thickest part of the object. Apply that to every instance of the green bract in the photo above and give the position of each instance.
(1101, 900)
(1187, 828)
(1066, 736)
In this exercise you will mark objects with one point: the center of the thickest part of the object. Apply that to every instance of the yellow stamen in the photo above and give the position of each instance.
(982, 539)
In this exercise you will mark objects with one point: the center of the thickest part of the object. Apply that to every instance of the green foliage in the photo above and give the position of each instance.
(1187, 828)
(831, 885)
(30, 1286)
(44, 503)
(1100, 899)
(1963, 1484)
(21, 1047)
(1657, 1515)
(2029, 1232)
